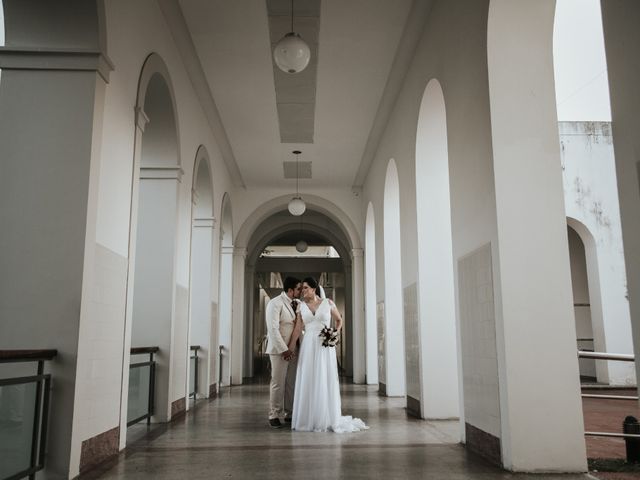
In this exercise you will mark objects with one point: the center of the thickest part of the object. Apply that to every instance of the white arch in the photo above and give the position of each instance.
(201, 268)
(155, 78)
(394, 378)
(150, 315)
(314, 202)
(371, 320)
(439, 359)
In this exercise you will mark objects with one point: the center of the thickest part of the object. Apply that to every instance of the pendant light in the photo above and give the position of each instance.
(296, 204)
(301, 245)
(291, 53)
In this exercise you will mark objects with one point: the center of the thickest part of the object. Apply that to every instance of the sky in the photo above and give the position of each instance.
(582, 85)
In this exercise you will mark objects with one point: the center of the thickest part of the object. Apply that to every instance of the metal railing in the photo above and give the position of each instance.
(136, 386)
(618, 357)
(194, 371)
(13, 470)
(220, 359)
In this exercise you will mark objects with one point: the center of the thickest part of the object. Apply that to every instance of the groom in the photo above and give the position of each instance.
(280, 317)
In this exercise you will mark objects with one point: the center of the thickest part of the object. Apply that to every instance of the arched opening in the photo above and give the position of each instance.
(152, 285)
(337, 225)
(439, 359)
(585, 334)
(272, 256)
(370, 289)
(201, 341)
(392, 379)
(225, 295)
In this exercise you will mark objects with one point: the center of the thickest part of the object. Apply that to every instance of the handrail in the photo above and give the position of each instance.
(151, 363)
(8, 356)
(195, 349)
(141, 350)
(622, 357)
(619, 357)
(41, 405)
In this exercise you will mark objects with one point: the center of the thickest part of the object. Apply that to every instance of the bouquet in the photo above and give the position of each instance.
(329, 336)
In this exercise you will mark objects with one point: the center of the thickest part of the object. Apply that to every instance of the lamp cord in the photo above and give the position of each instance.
(292, 15)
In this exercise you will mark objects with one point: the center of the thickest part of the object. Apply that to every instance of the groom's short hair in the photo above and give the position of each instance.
(290, 283)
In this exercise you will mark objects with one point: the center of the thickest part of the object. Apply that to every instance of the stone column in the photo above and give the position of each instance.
(358, 331)
(237, 325)
(201, 321)
(51, 107)
(226, 312)
(622, 40)
(154, 293)
(535, 328)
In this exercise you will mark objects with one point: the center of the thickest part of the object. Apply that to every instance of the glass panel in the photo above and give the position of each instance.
(17, 408)
(138, 392)
(192, 376)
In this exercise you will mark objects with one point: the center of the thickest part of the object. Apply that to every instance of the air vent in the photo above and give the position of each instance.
(304, 169)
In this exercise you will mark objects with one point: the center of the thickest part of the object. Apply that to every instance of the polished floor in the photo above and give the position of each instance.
(229, 438)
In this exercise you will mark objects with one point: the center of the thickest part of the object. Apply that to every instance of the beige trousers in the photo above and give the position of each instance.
(283, 382)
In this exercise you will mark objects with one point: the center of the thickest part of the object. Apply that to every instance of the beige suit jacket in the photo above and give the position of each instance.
(280, 322)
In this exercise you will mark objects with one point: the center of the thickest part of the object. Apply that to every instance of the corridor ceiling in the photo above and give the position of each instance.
(357, 44)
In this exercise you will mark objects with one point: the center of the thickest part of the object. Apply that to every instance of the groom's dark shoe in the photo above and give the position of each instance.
(275, 423)
(287, 420)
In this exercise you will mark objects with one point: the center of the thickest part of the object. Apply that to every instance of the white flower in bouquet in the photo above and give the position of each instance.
(330, 337)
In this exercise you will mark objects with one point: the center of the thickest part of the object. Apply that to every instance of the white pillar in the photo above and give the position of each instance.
(357, 291)
(48, 205)
(540, 404)
(141, 121)
(225, 312)
(201, 321)
(237, 328)
(622, 39)
(154, 294)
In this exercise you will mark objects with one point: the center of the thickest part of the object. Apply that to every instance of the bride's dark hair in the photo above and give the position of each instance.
(312, 283)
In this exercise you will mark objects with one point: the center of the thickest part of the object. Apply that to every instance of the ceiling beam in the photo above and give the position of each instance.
(299, 265)
(405, 52)
(182, 38)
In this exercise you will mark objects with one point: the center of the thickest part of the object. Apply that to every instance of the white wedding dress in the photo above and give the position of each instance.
(316, 402)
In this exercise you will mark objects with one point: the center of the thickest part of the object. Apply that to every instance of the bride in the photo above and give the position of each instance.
(316, 403)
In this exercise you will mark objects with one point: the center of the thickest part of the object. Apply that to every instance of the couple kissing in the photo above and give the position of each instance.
(305, 388)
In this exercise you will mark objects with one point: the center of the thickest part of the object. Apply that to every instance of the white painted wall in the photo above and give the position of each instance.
(465, 91)
(135, 30)
(591, 198)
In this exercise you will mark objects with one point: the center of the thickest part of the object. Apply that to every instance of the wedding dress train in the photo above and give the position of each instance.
(316, 403)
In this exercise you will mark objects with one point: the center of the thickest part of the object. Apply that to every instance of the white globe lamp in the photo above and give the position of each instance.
(292, 54)
(296, 206)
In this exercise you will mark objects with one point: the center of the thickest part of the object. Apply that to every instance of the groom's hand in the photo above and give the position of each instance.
(287, 355)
